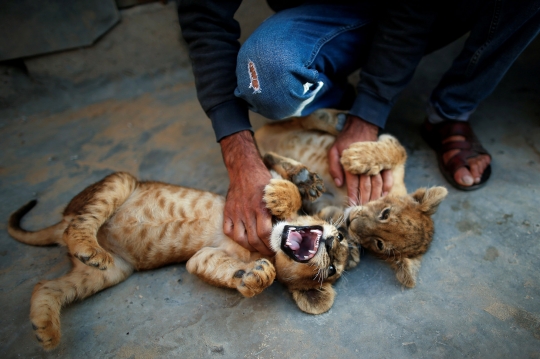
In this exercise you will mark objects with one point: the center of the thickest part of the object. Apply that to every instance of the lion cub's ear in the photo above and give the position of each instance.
(407, 270)
(316, 300)
(429, 198)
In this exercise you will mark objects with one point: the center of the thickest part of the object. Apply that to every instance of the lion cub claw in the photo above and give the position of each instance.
(257, 279)
(93, 256)
(309, 184)
(47, 336)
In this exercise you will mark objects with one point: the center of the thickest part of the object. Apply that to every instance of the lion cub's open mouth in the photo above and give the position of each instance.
(301, 242)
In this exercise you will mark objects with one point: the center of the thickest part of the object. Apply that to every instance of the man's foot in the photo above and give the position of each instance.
(462, 159)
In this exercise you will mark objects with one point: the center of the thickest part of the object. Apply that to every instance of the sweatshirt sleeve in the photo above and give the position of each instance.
(398, 46)
(209, 28)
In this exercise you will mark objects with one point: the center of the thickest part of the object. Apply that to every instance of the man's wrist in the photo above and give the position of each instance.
(356, 124)
(240, 151)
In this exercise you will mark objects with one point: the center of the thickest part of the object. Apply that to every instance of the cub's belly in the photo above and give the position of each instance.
(154, 229)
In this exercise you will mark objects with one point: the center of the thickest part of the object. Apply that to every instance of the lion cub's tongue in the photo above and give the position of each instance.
(294, 240)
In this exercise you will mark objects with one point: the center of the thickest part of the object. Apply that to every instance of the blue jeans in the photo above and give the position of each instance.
(299, 59)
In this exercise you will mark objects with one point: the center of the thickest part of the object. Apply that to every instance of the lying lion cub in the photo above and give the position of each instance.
(120, 224)
(397, 228)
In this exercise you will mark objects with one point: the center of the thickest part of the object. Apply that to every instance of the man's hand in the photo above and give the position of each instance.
(245, 218)
(360, 189)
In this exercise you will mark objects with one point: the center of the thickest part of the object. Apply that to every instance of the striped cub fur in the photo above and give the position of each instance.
(121, 225)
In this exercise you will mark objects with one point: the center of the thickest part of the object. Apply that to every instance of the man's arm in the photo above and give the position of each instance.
(212, 35)
(246, 218)
(398, 46)
(209, 28)
(360, 189)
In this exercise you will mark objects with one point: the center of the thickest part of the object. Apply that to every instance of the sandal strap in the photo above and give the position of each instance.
(455, 128)
(460, 160)
(435, 134)
(456, 145)
(470, 146)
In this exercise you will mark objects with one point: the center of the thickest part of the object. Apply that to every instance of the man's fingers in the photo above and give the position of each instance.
(353, 193)
(264, 230)
(365, 189)
(241, 237)
(388, 181)
(334, 166)
(228, 227)
(254, 240)
(376, 187)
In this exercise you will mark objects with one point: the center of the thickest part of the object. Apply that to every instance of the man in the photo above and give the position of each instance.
(298, 61)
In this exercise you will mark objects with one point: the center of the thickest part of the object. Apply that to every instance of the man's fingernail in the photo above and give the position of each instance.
(467, 180)
(337, 181)
(477, 180)
(384, 194)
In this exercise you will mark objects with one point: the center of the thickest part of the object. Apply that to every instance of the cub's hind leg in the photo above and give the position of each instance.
(217, 267)
(49, 296)
(89, 210)
(309, 184)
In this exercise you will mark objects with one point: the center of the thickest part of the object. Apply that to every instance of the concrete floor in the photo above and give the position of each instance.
(478, 293)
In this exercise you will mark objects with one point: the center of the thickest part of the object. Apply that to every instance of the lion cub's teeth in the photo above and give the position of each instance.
(312, 252)
(306, 257)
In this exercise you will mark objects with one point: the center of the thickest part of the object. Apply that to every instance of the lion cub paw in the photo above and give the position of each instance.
(309, 184)
(46, 330)
(93, 255)
(257, 279)
(282, 198)
(372, 157)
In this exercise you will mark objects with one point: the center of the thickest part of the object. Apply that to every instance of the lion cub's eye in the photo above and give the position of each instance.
(331, 270)
(380, 245)
(340, 237)
(384, 214)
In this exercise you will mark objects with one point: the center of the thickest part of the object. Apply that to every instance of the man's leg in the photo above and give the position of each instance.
(298, 60)
(500, 32)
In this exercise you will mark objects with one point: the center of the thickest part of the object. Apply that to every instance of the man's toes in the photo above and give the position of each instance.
(475, 171)
(486, 160)
(463, 177)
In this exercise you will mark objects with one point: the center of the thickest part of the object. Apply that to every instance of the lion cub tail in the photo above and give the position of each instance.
(43, 237)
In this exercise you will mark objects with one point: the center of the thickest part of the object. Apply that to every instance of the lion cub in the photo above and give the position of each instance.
(120, 225)
(397, 228)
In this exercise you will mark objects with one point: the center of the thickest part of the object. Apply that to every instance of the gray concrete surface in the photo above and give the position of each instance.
(478, 294)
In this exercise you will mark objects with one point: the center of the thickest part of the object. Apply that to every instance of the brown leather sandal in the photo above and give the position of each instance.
(435, 134)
